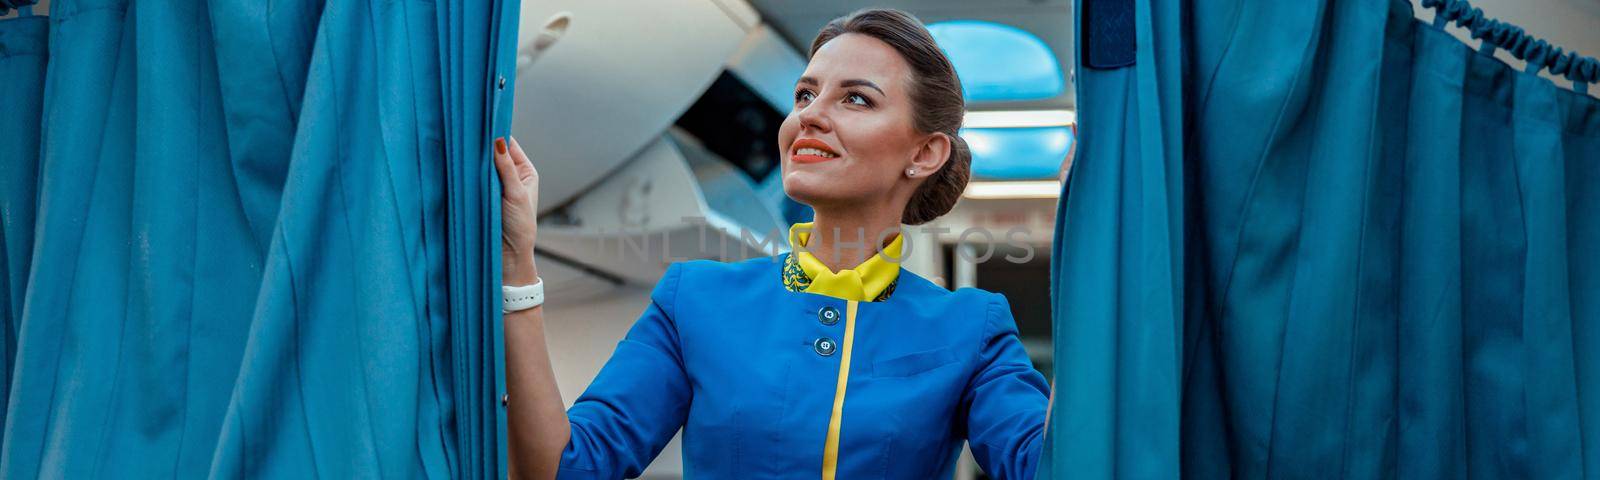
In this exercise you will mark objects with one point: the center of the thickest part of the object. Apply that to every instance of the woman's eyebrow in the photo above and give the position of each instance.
(854, 82)
(857, 82)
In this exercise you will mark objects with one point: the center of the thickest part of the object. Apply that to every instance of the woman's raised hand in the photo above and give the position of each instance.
(519, 208)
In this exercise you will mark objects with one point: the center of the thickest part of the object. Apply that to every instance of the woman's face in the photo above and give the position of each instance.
(850, 137)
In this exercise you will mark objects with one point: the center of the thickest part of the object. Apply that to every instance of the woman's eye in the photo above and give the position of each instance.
(802, 96)
(859, 99)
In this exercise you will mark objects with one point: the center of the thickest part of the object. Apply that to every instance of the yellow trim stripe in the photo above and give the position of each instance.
(830, 450)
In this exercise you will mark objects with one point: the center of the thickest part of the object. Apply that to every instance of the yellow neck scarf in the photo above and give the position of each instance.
(862, 283)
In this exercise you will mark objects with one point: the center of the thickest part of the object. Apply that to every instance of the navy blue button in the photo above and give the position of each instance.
(828, 315)
(825, 346)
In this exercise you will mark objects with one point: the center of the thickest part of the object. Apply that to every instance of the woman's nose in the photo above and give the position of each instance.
(815, 117)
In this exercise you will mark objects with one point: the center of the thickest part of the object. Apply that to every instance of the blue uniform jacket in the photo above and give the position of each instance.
(750, 371)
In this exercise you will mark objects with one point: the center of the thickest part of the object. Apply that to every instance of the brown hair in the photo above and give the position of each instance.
(935, 94)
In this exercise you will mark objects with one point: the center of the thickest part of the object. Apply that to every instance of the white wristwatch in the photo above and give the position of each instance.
(523, 297)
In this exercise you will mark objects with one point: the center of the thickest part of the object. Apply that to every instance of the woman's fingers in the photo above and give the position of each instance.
(1072, 153)
(503, 165)
(524, 165)
(519, 200)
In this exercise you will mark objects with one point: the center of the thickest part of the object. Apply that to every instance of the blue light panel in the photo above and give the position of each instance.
(1017, 153)
(999, 62)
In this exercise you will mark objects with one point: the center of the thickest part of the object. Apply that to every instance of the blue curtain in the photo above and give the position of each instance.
(23, 49)
(1326, 240)
(247, 239)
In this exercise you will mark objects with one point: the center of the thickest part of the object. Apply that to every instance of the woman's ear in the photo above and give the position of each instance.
(935, 151)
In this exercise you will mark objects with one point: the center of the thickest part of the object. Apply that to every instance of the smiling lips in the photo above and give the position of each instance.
(807, 150)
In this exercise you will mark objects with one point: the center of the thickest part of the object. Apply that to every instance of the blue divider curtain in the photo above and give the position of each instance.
(249, 239)
(23, 46)
(1326, 240)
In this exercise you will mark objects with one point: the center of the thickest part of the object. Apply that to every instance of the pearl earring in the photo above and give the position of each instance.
(911, 172)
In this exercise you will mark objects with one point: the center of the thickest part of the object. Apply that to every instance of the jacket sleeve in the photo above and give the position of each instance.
(1005, 401)
(638, 401)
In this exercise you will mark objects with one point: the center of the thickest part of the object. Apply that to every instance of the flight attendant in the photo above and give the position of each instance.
(827, 362)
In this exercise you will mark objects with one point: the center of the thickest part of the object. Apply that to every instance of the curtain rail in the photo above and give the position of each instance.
(1538, 53)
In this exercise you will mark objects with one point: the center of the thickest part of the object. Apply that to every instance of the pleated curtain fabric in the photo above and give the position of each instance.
(1324, 240)
(247, 239)
(1117, 261)
(24, 48)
